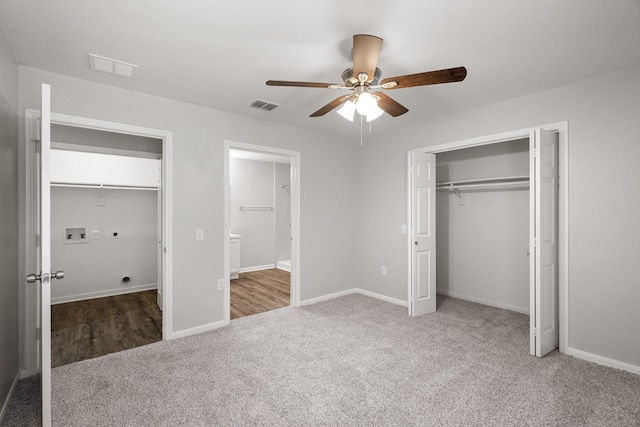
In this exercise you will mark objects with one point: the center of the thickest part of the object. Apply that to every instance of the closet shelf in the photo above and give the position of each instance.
(478, 184)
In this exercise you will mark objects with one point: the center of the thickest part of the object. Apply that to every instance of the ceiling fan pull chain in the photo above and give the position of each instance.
(361, 131)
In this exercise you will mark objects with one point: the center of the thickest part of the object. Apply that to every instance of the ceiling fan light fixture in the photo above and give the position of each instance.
(347, 110)
(374, 113)
(366, 104)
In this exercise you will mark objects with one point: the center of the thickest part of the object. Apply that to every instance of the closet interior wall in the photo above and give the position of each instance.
(483, 231)
(104, 212)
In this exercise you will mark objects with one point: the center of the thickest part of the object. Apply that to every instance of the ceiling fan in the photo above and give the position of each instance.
(364, 77)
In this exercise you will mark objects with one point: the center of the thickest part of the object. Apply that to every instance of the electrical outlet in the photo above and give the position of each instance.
(221, 284)
(383, 270)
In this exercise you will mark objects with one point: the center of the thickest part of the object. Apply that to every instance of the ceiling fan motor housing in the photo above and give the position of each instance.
(350, 81)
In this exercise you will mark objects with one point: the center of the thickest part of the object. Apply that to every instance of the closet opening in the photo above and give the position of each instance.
(488, 225)
(106, 216)
(482, 224)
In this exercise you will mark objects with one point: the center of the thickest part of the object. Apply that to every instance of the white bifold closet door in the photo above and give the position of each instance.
(543, 299)
(423, 234)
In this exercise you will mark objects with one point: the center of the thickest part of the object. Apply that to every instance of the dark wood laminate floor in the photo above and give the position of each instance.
(86, 329)
(260, 291)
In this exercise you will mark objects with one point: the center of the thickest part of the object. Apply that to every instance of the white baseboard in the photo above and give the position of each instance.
(354, 291)
(601, 360)
(327, 297)
(197, 330)
(101, 294)
(382, 297)
(257, 268)
(485, 302)
(284, 265)
(5, 404)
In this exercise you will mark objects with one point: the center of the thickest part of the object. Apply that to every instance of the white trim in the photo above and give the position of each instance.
(294, 167)
(601, 360)
(326, 297)
(257, 268)
(563, 207)
(354, 291)
(29, 348)
(485, 302)
(5, 404)
(102, 294)
(65, 146)
(199, 329)
(381, 297)
(284, 265)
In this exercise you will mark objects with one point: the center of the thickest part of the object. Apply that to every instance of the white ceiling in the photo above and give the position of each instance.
(219, 54)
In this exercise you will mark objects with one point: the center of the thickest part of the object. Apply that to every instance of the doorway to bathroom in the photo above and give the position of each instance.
(261, 223)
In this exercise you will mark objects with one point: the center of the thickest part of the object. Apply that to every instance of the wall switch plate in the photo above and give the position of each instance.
(383, 270)
(221, 284)
(199, 234)
(95, 234)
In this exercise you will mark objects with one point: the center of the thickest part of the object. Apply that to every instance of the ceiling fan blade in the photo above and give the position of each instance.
(332, 105)
(366, 50)
(389, 105)
(448, 75)
(300, 84)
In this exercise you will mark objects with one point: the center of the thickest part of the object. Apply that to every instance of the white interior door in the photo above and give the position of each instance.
(544, 242)
(42, 280)
(423, 233)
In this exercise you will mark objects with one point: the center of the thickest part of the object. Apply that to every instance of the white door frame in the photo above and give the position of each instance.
(294, 157)
(562, 128)
(29, 359)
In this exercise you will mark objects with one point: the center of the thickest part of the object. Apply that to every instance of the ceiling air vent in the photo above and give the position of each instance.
(264, 105)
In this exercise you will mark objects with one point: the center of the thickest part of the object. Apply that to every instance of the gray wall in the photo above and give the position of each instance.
(96, 267)
(604, 202)
(257, 183)
(482, 244)
(9, 280)
(370, 197)
(198, 187)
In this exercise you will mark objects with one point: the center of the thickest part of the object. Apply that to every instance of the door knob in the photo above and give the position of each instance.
(415, 243)
(32, 278)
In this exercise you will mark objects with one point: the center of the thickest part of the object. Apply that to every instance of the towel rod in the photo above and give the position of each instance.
(256, 208)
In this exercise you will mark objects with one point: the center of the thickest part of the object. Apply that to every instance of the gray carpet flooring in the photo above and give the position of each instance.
(351, 361)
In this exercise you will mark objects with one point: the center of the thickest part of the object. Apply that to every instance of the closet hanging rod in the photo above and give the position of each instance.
(454, 187)
(506, 179)
(105, 187)
(256, 208)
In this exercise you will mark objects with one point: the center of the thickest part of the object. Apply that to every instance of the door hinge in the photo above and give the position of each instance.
(38, 240)
(534, 152)
(37, 145)
(38, 332)
(536, 332)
